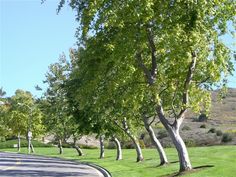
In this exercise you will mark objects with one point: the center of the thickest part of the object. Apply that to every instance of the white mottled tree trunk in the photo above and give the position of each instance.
(156, 142)
(79, 150)
(60, 147)
(137, 148)
(102, 154)
(173, 130)
(31, 147)
(180, 146)
(134, 140)
(18, 145)
(118, 147)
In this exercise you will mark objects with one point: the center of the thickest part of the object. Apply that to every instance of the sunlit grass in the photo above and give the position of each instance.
(222, 158)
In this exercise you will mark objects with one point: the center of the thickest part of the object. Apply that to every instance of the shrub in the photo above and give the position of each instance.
(219, 133)
(203, 126)
(212, 130)
(159, 126)
(202, 118)
(190, 143)
(186, 128)
(111, 145)
(127, 145)
(83, 146)
(24, 143)
(141, 143)
(226, 138)
(162, 133)
(2, 139)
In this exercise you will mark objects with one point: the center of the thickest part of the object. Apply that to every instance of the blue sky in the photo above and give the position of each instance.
(32, 37)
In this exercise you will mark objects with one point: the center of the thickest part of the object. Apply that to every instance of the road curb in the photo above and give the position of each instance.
(105, 172)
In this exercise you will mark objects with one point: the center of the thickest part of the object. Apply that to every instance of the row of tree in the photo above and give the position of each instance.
(138, 62)
(143, 60)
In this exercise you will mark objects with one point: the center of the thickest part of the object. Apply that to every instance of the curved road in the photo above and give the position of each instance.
(19, 165)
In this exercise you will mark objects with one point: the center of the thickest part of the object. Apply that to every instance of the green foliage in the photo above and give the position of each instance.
(162, 133)
(226, 137)
(212, 130)
(203, 117)
(186, 128)
(203, 126)
(190, 143)
(58, 117)
(139, 53)
(142, 144)
(23, 114)
(219, 133)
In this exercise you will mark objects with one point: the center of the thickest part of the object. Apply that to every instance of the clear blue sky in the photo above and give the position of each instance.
(32, 37)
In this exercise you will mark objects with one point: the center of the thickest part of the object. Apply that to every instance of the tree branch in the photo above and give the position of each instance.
(161, 115)
(153, 53)
(144, 68)
(187, 82)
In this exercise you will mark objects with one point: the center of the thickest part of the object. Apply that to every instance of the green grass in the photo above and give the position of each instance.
(223, 159)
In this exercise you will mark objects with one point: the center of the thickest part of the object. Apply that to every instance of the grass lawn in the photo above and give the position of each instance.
(222, 158)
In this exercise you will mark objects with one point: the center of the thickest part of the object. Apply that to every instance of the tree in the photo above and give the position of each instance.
(175, 44)
(24, 116)
(59, 119)
(2, 92)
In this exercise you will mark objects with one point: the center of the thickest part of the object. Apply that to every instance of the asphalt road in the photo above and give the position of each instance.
(19, 165)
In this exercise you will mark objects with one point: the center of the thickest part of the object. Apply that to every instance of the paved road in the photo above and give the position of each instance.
(19, 165)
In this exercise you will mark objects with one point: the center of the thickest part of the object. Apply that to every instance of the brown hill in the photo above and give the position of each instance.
(222, 118)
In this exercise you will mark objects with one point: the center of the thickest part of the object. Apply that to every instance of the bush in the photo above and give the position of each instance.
(226, 138)
(186, 128)
(141, 143)
(2, 139)
(111, 145)
(202, 118)
(219, 133)
(127, 145)
(24, 143)
(203, 126)
(88, 147)
(212, 130)
(190, 143)
(162, 133)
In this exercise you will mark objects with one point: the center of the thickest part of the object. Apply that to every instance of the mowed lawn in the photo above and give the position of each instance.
(221, 158)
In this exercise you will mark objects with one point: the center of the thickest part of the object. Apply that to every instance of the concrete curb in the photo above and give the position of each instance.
(105, 172)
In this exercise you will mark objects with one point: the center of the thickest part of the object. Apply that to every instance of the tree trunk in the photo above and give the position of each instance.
(137, 148)
(101, 147)
(134, 140)
(18, 145)
(79, 150)
(173, 130)
(29, 142)
(60, 147)
(118, 147)
(156, 142)
(31, 147)
(180, 146)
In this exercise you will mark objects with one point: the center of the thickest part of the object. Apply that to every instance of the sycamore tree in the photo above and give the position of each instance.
(175, 45)
(89, 118)
(24, 116)
(59, 119)
(4, 107)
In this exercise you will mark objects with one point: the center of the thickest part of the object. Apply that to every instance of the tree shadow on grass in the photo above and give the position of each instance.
(194, 170)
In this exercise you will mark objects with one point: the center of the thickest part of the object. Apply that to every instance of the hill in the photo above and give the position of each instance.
(221, 122)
